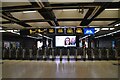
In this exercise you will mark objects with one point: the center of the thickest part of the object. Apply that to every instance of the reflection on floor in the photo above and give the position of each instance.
(57, 69)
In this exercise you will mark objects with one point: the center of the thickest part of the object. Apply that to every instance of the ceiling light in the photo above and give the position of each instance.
(112, 28)
(2, 31)
(29, 11)
(69, 9)
(111, 9)
(0, 27)
(105, 29)
(117, 24)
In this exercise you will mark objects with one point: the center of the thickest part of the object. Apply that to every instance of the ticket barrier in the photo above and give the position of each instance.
(17, 52)
(84, 54)
(117, 51)
(96, 54)
(89, 53)
(13, 53)
(10, 51)
(23, 54)
(113, 54)
(53, 56)
(76, 54)
(68, 54)
(107, 55)
(103, 54)
(79, 54)
(44, 56)
(60, 54)
(4, 51)
(30, 54)
(100, 55)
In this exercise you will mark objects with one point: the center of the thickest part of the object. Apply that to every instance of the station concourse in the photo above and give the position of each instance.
(52, 40)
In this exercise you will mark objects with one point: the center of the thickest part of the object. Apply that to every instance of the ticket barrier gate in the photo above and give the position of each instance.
(23, 54)
(44, 56)
(68, 54)
(60, 54)
(76, 54)
(84, 54)
(4, 52)
(96, 54)
(53, 56)
(30, 54)
(103, 54)
(13, 53)
(89, 53)
(112, 54)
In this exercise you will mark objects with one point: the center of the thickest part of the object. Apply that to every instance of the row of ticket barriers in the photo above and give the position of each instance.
(61, 53)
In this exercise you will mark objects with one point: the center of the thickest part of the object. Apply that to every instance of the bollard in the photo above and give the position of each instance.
(60, 54)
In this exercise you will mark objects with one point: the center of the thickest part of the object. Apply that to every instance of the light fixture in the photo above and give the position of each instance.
(111, 9)
(117, 24)
(97, 30)
(105, 29)
(69, 9)
(108, 34)
(2, 31)
(112, 28)
(29, 11)
(0, 27)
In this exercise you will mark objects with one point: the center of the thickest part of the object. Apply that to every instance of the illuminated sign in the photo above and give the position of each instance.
(89, 31)
(69, 30)
(60, 30)
(79, 30)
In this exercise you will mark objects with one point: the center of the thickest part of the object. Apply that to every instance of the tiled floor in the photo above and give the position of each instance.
(57, 69)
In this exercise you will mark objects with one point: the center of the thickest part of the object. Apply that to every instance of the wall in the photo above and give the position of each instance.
(24, 41)
(105, 42)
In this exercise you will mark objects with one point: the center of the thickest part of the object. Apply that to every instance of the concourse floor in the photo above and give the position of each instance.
(57, 69)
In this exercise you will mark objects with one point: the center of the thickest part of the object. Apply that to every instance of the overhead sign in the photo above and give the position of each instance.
(89, 31)
(60, 30)
(51, 30)
(79, 30)
(70, 30)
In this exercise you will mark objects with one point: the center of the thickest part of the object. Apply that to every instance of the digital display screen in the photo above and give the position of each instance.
(65, 41)
(89, 31)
